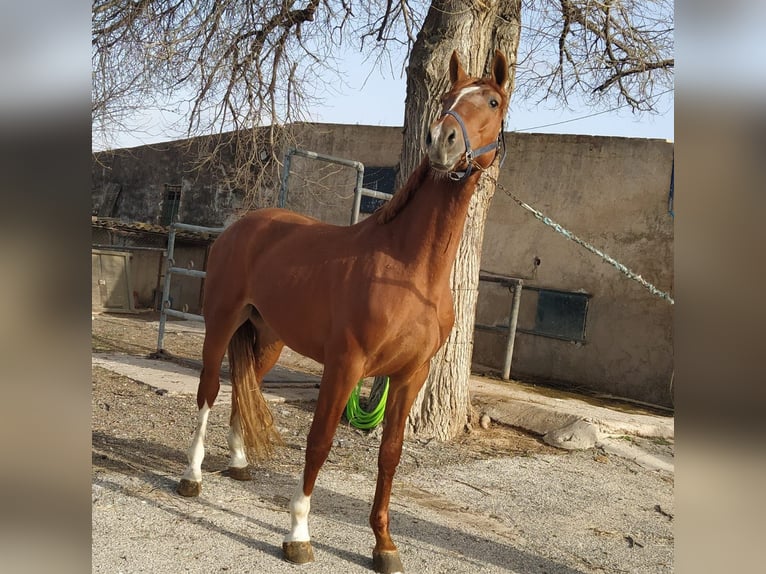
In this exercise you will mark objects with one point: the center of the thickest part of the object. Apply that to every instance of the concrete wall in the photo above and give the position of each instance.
(612, 192)
(129, 184)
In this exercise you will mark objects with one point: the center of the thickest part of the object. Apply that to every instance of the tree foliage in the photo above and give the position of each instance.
(232, 64)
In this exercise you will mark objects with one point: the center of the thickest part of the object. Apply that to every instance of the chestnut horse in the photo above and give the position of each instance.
(369, 299)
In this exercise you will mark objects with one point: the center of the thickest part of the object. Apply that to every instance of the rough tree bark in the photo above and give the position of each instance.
(475, 28)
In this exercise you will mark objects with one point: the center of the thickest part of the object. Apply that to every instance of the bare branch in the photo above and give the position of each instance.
(615, 51)
(232, 65)
(642, 69)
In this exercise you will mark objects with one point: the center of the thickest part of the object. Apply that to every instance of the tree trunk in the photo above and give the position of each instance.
(475, 29)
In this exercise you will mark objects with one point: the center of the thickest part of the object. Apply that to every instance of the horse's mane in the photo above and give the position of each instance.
(392, 207)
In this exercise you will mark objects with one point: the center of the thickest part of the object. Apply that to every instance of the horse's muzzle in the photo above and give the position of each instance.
(445, 144)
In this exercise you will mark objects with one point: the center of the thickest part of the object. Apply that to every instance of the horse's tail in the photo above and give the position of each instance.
(256, 420)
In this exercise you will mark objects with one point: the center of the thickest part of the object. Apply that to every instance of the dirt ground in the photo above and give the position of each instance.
(140, 435)
(173, 419)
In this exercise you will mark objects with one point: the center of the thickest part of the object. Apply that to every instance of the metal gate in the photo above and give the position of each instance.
(171, 269)
(359, 190)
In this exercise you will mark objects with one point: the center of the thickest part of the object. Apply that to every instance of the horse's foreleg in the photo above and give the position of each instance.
(297, 544)
(334, 390)
(402, 394)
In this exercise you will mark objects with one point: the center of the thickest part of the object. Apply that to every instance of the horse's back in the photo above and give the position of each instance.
(274, 260)
(256, 231)
(259, 220)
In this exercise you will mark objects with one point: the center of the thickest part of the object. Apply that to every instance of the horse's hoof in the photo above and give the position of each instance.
(298, 552)
(189, 488)
(387, 562)
(239, 473)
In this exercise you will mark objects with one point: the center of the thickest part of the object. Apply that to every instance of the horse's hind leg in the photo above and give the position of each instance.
(219, 329)
(266, 350)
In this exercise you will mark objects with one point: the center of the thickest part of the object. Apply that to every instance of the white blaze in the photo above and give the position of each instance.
(464, 92)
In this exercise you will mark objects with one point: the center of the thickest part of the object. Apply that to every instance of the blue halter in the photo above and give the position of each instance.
(471, 154)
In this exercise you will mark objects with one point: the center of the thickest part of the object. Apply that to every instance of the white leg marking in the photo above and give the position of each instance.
(237, 457)
(300, 504)
(196, 451)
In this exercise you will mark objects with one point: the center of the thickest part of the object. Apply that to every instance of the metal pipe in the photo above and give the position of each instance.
(170, 269)
(357, 165)
(285, 174)
(376, 194)
(357, 194)
(182, 315)
(166, 288)
(314, 155)
(512, 321)
(198, 228)
(188, 272)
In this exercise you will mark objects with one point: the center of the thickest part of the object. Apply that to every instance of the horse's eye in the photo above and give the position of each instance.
(493, 103)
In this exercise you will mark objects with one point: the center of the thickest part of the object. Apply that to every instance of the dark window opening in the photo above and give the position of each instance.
(378, 179)
(171, 202)
(557, 314)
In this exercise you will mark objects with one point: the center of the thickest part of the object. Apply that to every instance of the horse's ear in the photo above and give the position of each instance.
(500, 69)
(456, 71)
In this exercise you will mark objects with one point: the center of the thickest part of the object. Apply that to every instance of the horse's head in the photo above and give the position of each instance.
(466, 133)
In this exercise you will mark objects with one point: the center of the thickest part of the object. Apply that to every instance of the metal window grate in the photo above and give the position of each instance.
(171, 202)
(557, 314)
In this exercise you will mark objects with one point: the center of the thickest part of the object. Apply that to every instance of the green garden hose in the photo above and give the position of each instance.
(360, 418)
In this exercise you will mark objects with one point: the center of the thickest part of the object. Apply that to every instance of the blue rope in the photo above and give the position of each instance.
(569, 235)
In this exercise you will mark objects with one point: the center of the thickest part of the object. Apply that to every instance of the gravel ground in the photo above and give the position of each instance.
(494, 500)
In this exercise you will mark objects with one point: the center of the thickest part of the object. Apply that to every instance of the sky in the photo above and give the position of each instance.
(371, 98)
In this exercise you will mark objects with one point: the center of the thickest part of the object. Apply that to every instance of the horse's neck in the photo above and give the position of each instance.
(430, 226)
